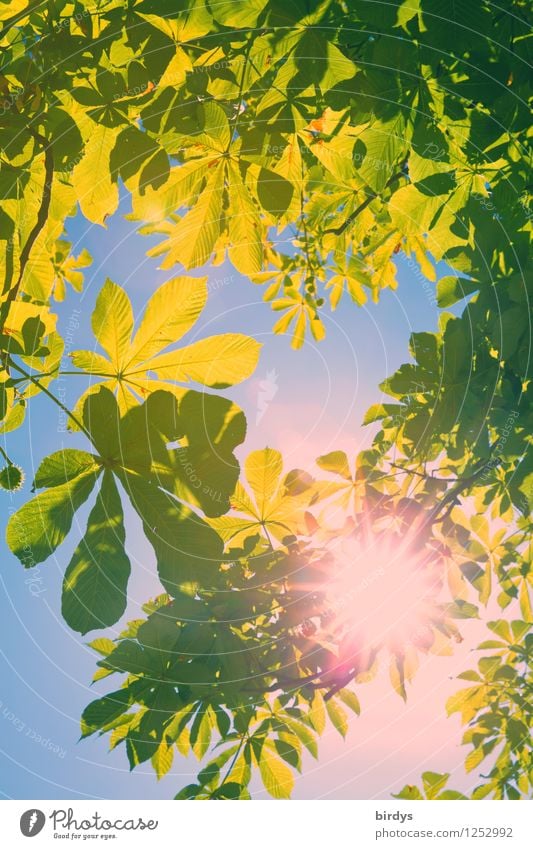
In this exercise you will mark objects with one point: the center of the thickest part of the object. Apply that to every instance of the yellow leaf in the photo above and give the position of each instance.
(112, 322)
(171, 311)
(95, 190)
(263, 472)
(162, 759)
(275, 774)
(193, 238)
(179, 190)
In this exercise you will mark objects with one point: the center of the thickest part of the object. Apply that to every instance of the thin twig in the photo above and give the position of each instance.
(338, 231)
(52, 397)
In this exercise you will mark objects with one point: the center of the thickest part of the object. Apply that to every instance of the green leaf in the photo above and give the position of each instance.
(397, 675)
(103, 711)
(433, 783)
(304, 734)
(179, 190)
(63, 466)
(201, 732)
(460, 609)
(11, 477)
(35, 531)
(451, 794)
(453, 289)
(276, 776)
(162, 759)
(409, 792)
(244, 224)
(338, 717)
(171, 311)
(190, 791)
(228, 790)
(274, 192)
(336, 462)
(103, 645)
(317, 713)
(175, 307)
(194, 237)
(288, 752)
(350, 700)
(380, 411)
(96, 579)
(186, 548)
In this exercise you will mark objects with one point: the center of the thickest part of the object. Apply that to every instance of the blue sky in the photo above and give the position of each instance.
(316, 399)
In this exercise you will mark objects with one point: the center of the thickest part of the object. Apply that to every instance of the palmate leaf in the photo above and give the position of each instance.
(300, 314)
(272, 509)
(216, 198)
(343, 493)
(134, 449)
(131, 362)
(184, 445)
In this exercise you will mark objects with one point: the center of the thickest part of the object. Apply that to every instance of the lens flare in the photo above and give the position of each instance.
(384, 590)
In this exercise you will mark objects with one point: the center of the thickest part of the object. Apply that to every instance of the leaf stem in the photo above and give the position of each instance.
(235, 122)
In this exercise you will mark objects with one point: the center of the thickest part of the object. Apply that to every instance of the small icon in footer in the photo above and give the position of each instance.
(32, 822)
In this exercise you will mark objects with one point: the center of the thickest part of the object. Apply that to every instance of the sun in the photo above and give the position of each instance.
(383, 591)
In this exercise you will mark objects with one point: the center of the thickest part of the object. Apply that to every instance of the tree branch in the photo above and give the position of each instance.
(338, 231)
(451, 497)
(42, 217)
